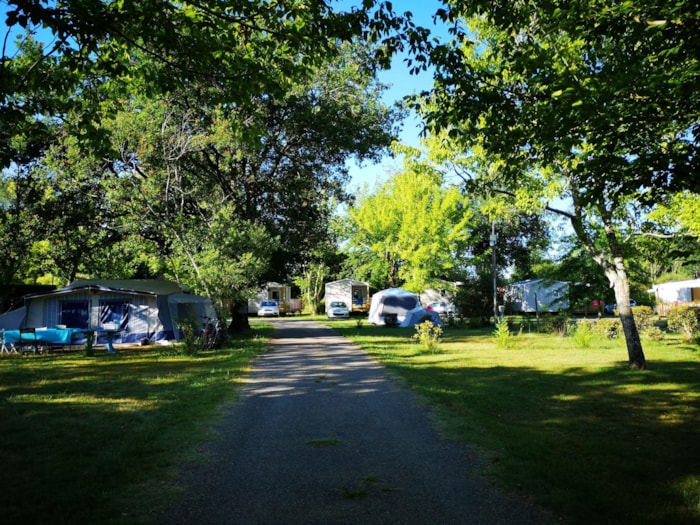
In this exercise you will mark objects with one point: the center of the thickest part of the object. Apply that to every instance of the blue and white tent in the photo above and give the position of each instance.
(141, 310)
(393, 301)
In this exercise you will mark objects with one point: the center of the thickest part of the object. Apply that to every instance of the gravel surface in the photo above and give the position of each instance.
(322, 435)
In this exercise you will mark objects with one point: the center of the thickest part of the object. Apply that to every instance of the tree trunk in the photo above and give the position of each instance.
(613, 264)
(635, 352)
(239, 318)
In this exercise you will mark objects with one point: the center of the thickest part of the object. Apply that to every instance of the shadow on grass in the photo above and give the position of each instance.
(594, 444)
(94, 440)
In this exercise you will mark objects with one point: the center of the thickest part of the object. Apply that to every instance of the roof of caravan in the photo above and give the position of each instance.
(350, 281)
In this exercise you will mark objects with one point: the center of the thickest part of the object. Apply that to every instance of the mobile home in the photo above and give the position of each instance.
(538, 296)
(272, 291)
(355, 294)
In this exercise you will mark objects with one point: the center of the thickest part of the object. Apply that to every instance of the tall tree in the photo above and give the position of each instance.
(414, 225)
(590, 101)
(268, 169)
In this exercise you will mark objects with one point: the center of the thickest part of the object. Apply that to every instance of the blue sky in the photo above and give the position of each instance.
(402, 84)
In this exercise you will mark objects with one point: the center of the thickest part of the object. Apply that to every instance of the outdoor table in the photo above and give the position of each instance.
(50, 336)
(109, 335)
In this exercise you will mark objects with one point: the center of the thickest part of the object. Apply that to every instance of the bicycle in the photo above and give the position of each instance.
(211, 333)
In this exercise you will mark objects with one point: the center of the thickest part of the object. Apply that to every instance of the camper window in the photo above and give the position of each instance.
(114, 312)
(74, 314)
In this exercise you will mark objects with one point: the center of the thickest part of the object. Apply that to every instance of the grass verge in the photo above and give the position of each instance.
(98, 439)
(573, 429)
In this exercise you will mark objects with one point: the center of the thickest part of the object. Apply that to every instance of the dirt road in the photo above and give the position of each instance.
(322, 435)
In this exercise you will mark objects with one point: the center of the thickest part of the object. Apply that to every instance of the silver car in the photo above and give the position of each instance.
(338, 309)
(269, 309)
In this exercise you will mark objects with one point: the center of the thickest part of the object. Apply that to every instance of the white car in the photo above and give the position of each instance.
(442, 308)
(269, 309)
(338, 309)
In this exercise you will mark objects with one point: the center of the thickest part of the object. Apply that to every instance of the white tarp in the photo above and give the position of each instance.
(416, 316)
(391, 301)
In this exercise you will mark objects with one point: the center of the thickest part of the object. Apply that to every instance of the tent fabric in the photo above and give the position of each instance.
(391, 301)
(13, 319)
(142, 309)
(415, 316)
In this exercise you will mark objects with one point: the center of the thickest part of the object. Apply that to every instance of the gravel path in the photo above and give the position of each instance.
(321, 435)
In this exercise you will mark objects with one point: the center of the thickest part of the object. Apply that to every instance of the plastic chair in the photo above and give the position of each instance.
(27, 341)
(4, 347)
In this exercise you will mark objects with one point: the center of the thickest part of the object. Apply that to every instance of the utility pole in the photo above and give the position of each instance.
(492, 243)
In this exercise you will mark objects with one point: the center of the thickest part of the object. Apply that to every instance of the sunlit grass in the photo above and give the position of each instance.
(574, 429)
(98, 439)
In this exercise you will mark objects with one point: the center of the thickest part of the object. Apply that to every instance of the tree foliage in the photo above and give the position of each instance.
(593, 103)
(414, 227)
(223, 166)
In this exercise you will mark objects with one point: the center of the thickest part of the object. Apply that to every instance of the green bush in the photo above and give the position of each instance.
(654, 333)
(428, 334)
(190, 332)
(644, 317)
(502, 334)
(557, 324)
(89, 349)
(608, 328)
(583, 333)
(684, 320)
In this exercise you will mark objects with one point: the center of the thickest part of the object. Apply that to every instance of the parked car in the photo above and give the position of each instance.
(269, 309)
(339, 310)
(443, 309)
(610, 308)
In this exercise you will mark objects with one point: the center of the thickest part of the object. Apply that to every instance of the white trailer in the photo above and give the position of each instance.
(538, 296)
(355, 294)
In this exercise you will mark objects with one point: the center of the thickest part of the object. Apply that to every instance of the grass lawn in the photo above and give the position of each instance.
(572, 428)
(98, 439)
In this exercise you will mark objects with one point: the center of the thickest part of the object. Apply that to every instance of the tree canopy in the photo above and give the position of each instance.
(590, 103)
(225, 172)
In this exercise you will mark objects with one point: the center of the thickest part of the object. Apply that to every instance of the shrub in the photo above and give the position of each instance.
(89, 349)
(190, 333)
(557, 324)
(644, 317)
(428, 334)
(502, 334)
(583, 334)
(654, 333)
(608, 328)
(684, 320)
